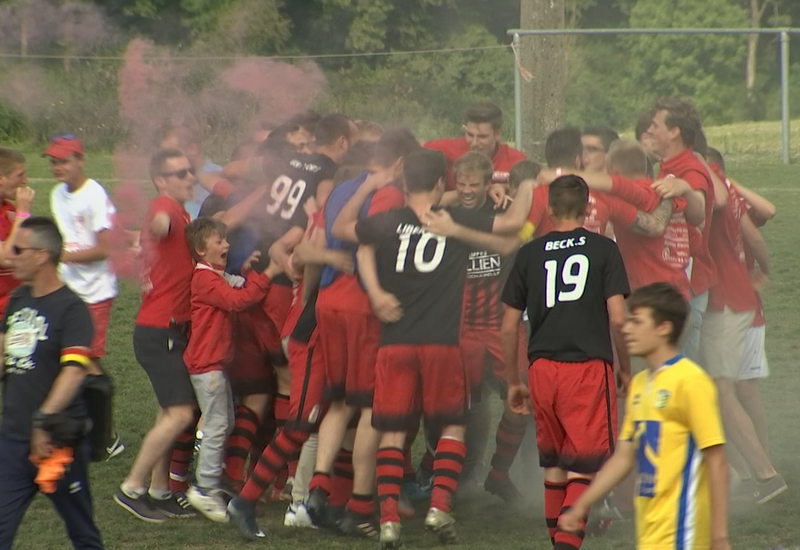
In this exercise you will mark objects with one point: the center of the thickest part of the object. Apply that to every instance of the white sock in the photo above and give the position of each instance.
(133, 493)
(159, 494)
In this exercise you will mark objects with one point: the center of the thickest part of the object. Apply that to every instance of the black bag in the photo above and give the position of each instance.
(98, 391)
(66, 431)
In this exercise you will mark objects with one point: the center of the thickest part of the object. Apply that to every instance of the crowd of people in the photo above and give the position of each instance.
(337, 290)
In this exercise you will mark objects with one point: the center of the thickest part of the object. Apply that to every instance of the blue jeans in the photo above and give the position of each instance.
(690, 339)
(71, 499)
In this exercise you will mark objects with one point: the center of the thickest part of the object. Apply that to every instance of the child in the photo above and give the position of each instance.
(672, 433)
(215, 294)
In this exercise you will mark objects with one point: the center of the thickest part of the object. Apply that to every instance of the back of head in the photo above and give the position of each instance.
(714, 156)
(395, 143)
(355, 161)
(563, 147)
(199, 231)
(666, 305)
(474, 162)
(607, 135)
(629, 159)
(423, 169)
(523, 170)
(700, 144)
(680, 113)
(44, 235)
(307, 120)
(180, 136)
(158, 161)
(369, 130)
(9, 160)
(643, 123)
(485, 112)
(331, 127)
(568, 197)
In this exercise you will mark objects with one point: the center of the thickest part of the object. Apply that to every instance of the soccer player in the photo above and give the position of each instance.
(85, 217)
(13, 187)
(483, 128)
(159, 340)
(569, 278)
(596, 142)
(672, 435)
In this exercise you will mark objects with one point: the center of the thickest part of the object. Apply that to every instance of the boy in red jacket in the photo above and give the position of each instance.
(215, 295)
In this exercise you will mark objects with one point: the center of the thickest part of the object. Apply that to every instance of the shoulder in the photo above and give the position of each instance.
(96, 189)
(691, 373)
(511, 153)
(448, 146)
(59, 190)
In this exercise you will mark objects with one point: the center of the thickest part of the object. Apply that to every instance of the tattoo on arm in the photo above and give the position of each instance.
(654, 223)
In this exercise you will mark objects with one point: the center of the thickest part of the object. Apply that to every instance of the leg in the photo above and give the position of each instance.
(690, 339)
(17, 487)
(750, 398)
(477, 431)
(305, 469)
(510, 433)
(331, 435)
(358, 519)
(555, 492)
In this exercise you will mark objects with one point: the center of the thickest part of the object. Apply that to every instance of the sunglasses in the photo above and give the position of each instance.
(19, 249)
(180, 174)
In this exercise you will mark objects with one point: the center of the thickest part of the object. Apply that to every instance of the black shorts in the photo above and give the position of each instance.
(160, 353)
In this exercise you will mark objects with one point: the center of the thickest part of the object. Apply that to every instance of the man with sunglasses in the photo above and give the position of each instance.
(85, 216)
(15, 207)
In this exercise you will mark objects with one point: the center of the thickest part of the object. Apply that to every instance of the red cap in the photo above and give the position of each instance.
(61, 147)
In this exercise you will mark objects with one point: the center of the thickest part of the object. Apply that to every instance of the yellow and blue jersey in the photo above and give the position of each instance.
(671, 416)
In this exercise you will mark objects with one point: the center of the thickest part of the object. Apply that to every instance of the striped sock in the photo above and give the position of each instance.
(447, 466)
(281, 415)
(342, 482)
(272, 462)
(572, 541)
(509, 438)
(361, 504)
(180, 460)
(554, 494)
(265, 433)
(390, 476)
(239, 443)
(322, 481)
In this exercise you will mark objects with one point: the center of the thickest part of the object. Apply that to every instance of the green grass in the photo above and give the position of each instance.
(484, 524)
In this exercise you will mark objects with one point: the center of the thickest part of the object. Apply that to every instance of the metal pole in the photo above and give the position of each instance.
(517, 96)
(785, 97)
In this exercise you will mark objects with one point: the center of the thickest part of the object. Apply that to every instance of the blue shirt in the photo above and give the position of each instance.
(200, 193)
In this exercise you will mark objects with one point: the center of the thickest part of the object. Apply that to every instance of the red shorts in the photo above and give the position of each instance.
(250, 372)
(575, 409)
(100, 313)
(349, 340)
(482, 353)
(307, 373)
(258, 326)
(276, 305)
(411, 379)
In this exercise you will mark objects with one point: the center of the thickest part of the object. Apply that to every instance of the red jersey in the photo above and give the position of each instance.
(167, 273)
(8, 215)
(602, 209)
(214, 298)
(297, 288)
(453, 148)
(685, 165)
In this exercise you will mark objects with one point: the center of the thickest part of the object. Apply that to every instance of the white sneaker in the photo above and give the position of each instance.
(297, 516)
(209, 503)
(116, 448)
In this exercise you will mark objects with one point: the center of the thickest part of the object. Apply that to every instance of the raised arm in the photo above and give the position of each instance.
(670, 188)
(761, 207)
(441, 223)
(512, 220)
(653, 224)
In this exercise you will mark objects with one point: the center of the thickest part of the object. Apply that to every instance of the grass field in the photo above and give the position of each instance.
(486, 523)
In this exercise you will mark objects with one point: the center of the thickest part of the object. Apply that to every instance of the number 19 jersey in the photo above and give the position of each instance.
(564, 280)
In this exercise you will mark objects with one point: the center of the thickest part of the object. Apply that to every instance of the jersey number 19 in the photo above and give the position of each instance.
(573, 274)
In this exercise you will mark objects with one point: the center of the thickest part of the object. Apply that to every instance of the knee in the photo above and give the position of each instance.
(181, 416)
(747, 390)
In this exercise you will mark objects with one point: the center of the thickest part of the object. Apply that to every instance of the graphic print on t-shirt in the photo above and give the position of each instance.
(24, 330)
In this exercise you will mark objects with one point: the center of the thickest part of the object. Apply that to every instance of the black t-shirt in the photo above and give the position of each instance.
(564, 279)
(40, 336)
(425, 272)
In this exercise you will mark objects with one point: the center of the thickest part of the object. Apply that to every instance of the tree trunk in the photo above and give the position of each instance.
(23, 31)
(752, 50)
(544, 57)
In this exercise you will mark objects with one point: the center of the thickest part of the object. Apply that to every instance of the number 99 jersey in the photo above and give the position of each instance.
(564, 280)
(424, 271)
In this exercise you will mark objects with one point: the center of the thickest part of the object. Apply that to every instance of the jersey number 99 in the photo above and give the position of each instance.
(573, 273)
(285, 196)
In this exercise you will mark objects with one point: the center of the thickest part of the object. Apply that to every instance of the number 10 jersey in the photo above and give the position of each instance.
(564, 280)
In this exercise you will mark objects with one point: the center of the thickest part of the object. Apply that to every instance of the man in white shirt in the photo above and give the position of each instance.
(84, 215)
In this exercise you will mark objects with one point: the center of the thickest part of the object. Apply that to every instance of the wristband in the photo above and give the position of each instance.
(23, 215)
(39, 419)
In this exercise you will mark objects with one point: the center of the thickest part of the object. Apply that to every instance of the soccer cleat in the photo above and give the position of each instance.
(390, 535)
(175, 507)
(503, 488)
(297, 516)
(316, 505)
(140, 507)
(209, 503)
(414, 492)
(441, 523)
(243, 516)
(286, 495)
(602, 517)
(116, 448)
(359, 525)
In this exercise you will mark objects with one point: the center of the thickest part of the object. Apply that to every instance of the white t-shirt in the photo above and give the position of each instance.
(80, 216)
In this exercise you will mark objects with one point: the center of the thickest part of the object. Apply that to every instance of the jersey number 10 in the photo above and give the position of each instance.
(570, 276)
(288, 192)
(420, 263)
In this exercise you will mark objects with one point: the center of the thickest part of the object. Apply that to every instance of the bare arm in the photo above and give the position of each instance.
(441, 223)
(98, 252)
(512, 220)
(653, 224)
(386, 306)
(669, 188)
(616, 318)
(509, 338)
(281, 250)
(762, 208)
(755, 243)
(160, 226)
(24, 197)
(238, 213)
(717, 468)
(720, 191)
(64, 389)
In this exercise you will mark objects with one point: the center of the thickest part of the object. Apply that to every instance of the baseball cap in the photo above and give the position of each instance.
(61, 146)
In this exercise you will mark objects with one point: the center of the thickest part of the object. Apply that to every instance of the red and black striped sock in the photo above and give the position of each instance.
(572, 541)
(239, 443)
(321, 481)
(390, 476)
(361, 504)
(272, 462)
(180, 460)
(509, 438)
(554, 494)
(281, 415)
(447, 466)
(266, 432)
(342, 482)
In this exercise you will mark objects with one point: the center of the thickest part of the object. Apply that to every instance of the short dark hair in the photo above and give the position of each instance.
(666, 305)
(629, 158)
(199, 231)
(568, 197)
(643, 123)
(9, 160)
(700, 144)
(45, 235)
(607, 135)
(331, 127)
(563, 146)
(681, 113)
(486, 111)
(716, 157)
(423, 169)
(158, 160)
(307, 120)
(523, 170)
(395, 143)
(276, 142)
(475, 163)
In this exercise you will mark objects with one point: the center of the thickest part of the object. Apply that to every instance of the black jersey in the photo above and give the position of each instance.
(425, 272)
(564, 280)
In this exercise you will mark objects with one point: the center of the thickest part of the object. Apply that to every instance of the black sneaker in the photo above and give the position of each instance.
(141, 507)
(176, 506)
(359, 525)
(503, 488)
(317, 504)
(242, 514)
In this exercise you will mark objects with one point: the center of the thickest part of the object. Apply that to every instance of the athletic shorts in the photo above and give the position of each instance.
(160, 353)
(250, 372)
(754, 361)
(427, 379)
(277, 304)
(575, 411)
(482, 354)
(349, 340)
(307, 387)
(722, 342)
(100, 314)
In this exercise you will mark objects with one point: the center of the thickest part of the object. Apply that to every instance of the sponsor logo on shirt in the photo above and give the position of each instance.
(483, 264)
(305, 166)
(25, 329)
(647, 436)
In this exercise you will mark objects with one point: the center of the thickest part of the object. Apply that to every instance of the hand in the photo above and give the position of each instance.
(519, 398)
(338, 259)
(440, 223)
(759, 279)
(23, 198)
(386, 306)
(248, 263)
(670, 187)
(379, 179)
(623, 383)
(274, 269)
(720, 543)
(498, 192)
(572, 520)
(41, 447)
